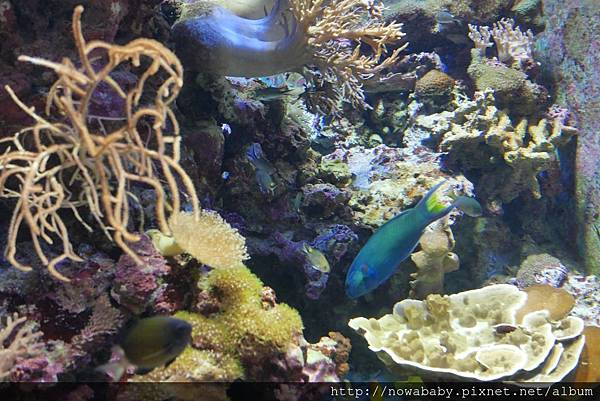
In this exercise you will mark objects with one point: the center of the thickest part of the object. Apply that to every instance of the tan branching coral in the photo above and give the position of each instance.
(511, 153)
(334, 31)
(15, 344)
(66, 162)
(209, 239)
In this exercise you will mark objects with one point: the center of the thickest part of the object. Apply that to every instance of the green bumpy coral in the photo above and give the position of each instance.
(245, 328)
(243, 323)
(239, 325)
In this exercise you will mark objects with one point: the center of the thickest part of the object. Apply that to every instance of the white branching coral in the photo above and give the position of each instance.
(209, 239)
(481, 37)
(513, 46)
(15, 344)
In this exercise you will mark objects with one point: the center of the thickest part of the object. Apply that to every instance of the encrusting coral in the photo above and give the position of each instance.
(15, 344)
(557, 301)
(588, 369)
(475, 335)
(324, 35)
(68, 162)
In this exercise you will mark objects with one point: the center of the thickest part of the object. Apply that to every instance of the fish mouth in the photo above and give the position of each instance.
(353, 294)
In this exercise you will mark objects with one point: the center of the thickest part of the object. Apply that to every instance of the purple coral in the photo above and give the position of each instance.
(335, 240)
(325, 200)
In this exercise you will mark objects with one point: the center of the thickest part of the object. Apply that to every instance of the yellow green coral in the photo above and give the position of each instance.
(244, 326)
(243, 319)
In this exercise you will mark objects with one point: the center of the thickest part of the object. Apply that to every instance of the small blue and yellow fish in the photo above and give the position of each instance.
(316, 259)
(264, 169)
(397, 238)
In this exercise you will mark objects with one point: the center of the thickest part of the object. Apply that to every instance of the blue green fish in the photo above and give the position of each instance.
(397, 238)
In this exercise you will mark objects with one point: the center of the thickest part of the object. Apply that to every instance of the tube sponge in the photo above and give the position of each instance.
(210, 239)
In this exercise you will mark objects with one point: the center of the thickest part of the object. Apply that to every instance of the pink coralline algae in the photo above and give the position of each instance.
(138, 287)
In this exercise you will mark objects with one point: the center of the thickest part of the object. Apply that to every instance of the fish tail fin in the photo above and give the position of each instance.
(433, 205)
(114, 370)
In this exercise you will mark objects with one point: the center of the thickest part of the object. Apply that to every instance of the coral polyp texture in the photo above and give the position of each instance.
(77, 161)
(324, 35)
(475, 335)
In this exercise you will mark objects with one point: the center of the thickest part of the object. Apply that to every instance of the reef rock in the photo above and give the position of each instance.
(568, 50)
